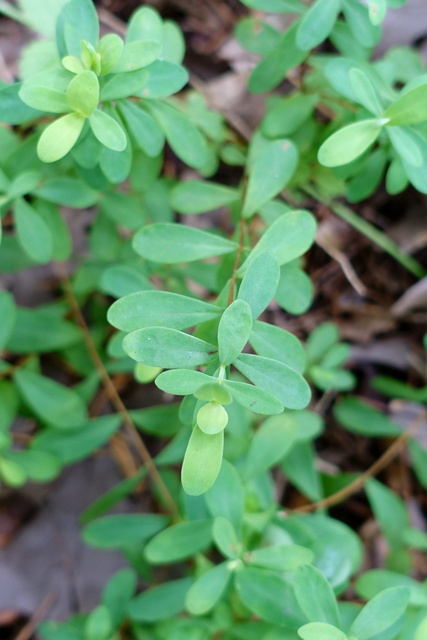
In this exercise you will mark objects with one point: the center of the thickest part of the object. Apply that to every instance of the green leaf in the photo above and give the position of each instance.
(183, 137)
(315, 596)
(357, 416)
(77, 21)
(167, 348)
(234, 330)
(34, 235)
(226, 497)
(389, 510)
(117, 594)
(357, 18)
(82, 94)
(283, 382)
(214, 391)
(12, 109)
(276, 6)
(202, 461)
(8, 317)
(36, 331)
(380, 613)
(120, 531)
(196, 196)
(300, 468)
(109, 48)
(286, 239)
(256, 36)
(115, 165)
(173, 243)
(406, 144)
(53, 403)
(267, 595)
(59, 137)
(377, 11)
(317, 23)
(207, 590)
(182, 382)
(321, 631)
(12, 473)
(145, 24)
(108, 131)
(287, 557)
(37, 465)
(365, 91)
(159, 309)
(349, 143)
(123, 85)
(161, 602)
(269, 445)
(68, 192)
(173, 43)
(143, 128)
(225, 537)
(256, 399)
(396, 179)
(46, 90)
(125, 211)
(119, 491)
(421, 631)
(259, 283)
(288, 115)
(98, 625)
(270, 173)
(164, 79)
(273, 342)
(71, 446)
(274, 67)
(294, 290)
(178, 542)
(62, 243)
(136, 55)
(373, 582)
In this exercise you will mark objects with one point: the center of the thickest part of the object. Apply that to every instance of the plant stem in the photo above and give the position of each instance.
(371, 232)
(112, 391)
(237, 260)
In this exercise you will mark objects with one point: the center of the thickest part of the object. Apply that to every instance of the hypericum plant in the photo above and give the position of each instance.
(192, 313)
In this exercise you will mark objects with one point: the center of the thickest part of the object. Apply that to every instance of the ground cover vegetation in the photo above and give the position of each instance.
(176, 297)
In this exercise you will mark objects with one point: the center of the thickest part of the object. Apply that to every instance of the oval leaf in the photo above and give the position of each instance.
(349, 143)
(207, 590)
(270, 173)
(82, 94)
(277, 378)
(179, 541)
(108, 131)
(173, 243)
(234, 330)
(202, 461)
(53, 403)
(159, 309)
(59, 137)
(167, 348)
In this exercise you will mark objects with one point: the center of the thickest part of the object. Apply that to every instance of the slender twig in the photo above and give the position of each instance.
(28, 630)
(112, 391)
(14, 367)
(357, 484)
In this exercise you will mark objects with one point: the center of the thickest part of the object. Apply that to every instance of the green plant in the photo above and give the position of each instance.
(91, 119)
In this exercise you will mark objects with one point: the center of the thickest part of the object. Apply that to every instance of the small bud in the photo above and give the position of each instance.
(212, 418)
